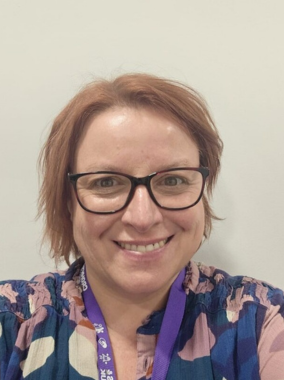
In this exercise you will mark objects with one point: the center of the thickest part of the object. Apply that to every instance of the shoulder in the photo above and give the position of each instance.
(54, 289)
(240, 312)
(217, 288)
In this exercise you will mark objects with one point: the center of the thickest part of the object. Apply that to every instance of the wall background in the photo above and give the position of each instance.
(231, 51)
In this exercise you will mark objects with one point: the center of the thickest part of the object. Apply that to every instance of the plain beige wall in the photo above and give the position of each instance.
(231, 51)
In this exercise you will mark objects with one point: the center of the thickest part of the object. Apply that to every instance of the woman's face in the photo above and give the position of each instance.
(136, 142)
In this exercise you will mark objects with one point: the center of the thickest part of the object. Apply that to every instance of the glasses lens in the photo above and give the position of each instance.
(178, 188)
(103, 192)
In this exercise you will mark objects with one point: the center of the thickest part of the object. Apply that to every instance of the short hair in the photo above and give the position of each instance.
(173, 99)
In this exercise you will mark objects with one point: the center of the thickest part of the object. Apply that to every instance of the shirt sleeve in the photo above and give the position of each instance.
(9, 327)
(271, 342)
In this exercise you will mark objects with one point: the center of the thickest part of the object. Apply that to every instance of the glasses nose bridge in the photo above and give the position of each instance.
(145, 181)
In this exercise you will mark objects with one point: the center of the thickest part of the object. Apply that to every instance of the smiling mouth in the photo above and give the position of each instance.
(144, 248)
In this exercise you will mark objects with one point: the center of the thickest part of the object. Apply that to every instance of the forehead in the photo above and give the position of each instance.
(125, 136)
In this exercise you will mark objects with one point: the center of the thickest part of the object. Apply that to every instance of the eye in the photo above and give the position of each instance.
(172, 181)
(105, 182)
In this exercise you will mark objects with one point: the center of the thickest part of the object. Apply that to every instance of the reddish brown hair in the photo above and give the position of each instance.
(173, 99)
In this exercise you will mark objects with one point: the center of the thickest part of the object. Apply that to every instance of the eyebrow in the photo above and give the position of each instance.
(112, 168)
(103, 168)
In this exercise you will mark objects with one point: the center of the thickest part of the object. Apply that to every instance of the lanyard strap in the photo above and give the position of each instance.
(170, 327)
(105, 355)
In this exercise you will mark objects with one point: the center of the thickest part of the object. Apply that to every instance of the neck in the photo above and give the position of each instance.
(124, 313)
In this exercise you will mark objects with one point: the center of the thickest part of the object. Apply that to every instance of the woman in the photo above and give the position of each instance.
(128, 168)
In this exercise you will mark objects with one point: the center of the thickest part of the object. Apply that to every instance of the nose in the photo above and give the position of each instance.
(142, 213)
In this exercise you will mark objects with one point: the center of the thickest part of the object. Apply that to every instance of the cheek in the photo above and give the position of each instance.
(88, 227)
(194, 225)
(191, 220)
(86, 232)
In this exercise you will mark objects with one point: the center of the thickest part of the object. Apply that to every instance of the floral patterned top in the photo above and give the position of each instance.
(232, 329)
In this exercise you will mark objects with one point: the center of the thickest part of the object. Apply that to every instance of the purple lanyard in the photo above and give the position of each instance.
(167, 337)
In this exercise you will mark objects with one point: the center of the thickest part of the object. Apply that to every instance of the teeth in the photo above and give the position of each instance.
(143, 248)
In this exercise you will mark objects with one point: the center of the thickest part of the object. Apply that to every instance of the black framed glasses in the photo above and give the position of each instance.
(107, 192)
